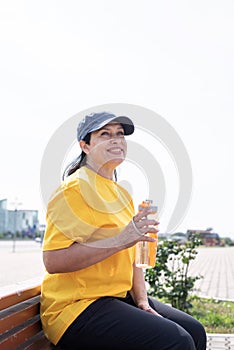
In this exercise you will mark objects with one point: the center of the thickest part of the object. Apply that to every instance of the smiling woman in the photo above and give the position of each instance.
(93, 295)
(106, 150)
(100, 125)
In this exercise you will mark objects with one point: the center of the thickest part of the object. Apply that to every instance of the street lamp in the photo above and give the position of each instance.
(16, 204)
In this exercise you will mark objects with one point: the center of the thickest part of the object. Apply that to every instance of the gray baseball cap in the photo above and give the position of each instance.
(96, 121)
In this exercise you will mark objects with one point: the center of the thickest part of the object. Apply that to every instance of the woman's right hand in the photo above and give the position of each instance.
(137, 229)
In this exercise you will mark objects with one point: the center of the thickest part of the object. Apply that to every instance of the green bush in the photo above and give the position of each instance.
(169, 279)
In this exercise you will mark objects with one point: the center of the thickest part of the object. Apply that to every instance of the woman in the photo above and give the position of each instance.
(93, 295)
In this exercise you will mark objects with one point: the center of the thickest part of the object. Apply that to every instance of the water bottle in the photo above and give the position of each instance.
(146, 251)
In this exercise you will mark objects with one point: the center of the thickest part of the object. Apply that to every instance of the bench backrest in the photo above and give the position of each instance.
(20, 325)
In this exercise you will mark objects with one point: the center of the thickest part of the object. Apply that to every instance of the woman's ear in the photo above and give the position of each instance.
(84, 146)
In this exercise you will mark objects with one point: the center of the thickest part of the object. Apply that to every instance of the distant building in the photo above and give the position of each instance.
(24, 222)
(207, 237)
(3, 215)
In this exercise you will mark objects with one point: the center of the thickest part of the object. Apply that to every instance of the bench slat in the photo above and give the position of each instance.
(17, 297)
(37, 342)
(18, 314)
(24, 332)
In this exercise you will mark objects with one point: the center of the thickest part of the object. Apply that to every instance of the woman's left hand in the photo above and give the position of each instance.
(146, 307)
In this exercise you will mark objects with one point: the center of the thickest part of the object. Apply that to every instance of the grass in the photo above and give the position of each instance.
(215, 315)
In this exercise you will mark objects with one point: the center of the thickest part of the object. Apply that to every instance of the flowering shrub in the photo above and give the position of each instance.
(170, 278)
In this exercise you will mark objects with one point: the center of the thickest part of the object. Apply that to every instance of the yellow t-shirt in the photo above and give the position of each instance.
(86, 208)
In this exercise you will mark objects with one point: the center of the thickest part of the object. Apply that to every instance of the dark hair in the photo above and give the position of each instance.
(77, 162)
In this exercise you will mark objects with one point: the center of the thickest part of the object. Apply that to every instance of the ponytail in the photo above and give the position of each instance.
(78, 162)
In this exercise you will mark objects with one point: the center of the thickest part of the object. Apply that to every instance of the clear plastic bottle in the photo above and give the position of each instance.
(146, 251)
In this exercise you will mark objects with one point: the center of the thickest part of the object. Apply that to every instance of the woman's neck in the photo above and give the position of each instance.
(104, 172)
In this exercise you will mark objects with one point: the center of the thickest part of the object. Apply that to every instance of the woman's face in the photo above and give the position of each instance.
(108, 147)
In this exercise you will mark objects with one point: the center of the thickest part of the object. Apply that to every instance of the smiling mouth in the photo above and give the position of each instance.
(115, 150)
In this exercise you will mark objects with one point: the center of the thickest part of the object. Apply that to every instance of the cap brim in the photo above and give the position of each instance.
(126, 122)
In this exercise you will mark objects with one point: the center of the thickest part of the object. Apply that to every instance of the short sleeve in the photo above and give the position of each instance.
(69, 219)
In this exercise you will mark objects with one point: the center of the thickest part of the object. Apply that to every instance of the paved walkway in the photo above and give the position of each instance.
(19, 268)
(215, 264)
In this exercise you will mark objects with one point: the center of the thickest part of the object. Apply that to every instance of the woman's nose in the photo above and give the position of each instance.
(115, 139)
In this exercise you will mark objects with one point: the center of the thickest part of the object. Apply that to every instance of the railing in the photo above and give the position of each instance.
(220, 341)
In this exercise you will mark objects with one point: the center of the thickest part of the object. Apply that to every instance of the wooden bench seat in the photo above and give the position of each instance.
(20, 324)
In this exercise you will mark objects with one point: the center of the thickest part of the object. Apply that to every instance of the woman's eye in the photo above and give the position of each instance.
(120, 134)
(104, 133)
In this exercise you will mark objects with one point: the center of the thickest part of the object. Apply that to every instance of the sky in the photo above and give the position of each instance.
(175, 58)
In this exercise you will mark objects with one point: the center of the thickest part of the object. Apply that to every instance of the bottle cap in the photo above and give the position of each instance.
(148, 204)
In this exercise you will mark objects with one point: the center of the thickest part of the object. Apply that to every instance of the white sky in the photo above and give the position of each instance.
(173, 57)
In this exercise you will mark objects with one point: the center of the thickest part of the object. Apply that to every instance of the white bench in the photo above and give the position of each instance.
(220, 341)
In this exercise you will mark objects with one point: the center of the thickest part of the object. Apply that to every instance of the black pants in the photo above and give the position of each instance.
(113, 323)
